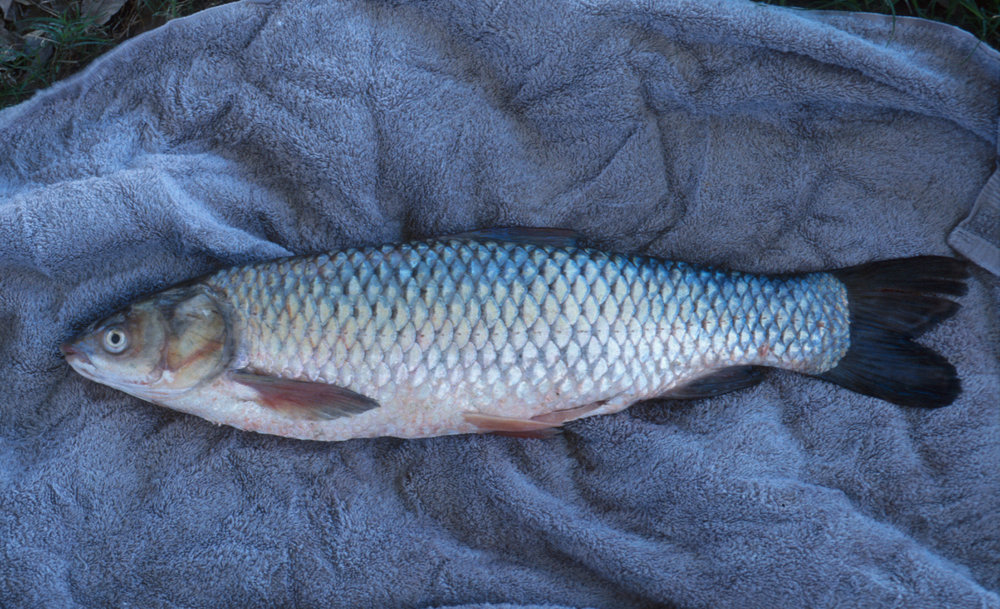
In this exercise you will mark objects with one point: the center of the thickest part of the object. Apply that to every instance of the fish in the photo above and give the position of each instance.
(514, 331)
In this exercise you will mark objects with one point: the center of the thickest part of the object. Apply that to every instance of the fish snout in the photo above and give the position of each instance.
(73, 353)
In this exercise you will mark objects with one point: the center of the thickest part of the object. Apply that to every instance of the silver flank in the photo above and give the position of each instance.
(458, 325)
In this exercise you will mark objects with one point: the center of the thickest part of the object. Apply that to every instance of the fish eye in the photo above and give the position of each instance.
(115, 340)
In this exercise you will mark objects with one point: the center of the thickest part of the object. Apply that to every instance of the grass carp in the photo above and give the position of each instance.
(513, 331)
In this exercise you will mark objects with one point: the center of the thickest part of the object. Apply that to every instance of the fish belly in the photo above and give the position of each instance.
(432, 330)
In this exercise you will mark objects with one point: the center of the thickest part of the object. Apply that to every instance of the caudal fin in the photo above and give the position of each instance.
(890, 303)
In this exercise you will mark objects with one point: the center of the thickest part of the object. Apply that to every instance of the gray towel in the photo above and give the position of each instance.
(718, 132)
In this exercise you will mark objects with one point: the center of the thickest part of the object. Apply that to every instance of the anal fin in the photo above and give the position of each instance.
(306, 400)
(721, 381)
(510, 426)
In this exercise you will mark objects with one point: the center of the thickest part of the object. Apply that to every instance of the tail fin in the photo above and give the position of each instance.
(891, 302)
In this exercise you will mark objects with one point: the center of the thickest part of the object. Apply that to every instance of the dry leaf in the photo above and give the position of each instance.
(100, 10)
(8, 40)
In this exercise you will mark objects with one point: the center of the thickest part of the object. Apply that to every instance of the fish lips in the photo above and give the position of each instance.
(77, 359)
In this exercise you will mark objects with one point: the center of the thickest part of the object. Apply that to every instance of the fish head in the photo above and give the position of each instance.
(156, 348)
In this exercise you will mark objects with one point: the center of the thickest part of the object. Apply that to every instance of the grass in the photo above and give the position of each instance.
(42, 41)
(980, 18)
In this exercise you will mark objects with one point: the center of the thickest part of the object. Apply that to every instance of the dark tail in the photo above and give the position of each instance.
(891, 302)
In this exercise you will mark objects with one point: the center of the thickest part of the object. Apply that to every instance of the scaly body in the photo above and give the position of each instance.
(460, 335)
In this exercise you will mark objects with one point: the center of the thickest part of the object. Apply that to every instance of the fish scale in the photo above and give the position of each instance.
(434, 329)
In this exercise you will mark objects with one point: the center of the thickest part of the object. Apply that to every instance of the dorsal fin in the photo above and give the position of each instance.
(543, 236)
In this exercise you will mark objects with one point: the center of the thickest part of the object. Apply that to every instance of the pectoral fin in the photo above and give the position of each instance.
(304, 400)
(719, 382)
(508, 426)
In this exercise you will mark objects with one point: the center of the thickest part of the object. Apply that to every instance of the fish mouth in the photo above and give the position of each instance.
(69, 351)
(78, 360)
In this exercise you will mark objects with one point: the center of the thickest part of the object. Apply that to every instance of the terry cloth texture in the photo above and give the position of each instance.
(717, 132)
